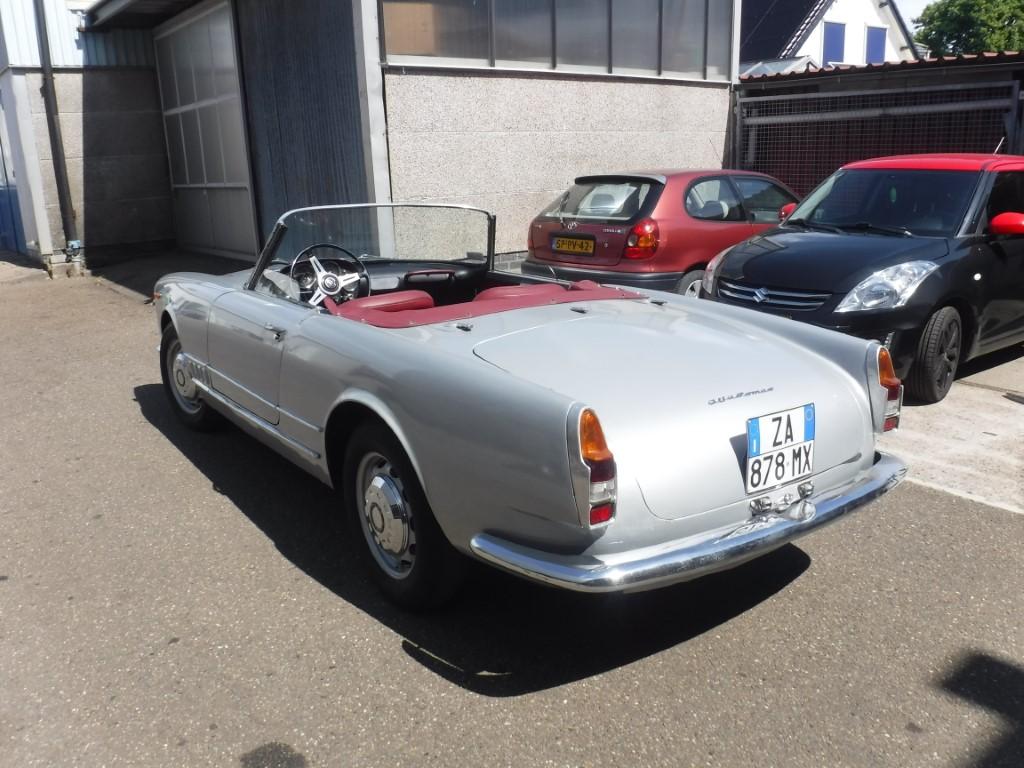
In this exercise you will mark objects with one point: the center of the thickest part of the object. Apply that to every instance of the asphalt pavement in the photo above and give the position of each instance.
(173, 599)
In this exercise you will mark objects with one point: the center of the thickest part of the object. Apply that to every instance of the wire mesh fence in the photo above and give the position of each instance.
(801, 138)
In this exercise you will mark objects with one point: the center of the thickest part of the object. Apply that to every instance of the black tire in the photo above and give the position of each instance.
(938, 356)
(407, 553)
(690, 283)
(193, 412)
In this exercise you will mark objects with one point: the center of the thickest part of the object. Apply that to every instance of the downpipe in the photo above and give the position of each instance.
(72, 250)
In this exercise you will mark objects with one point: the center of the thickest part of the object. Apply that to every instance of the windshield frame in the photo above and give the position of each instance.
(812, 201)
(266, 254)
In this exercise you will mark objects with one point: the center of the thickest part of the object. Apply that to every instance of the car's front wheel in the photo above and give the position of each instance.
(938, 356)
(409, 556)
(689, 285)
(180, 388)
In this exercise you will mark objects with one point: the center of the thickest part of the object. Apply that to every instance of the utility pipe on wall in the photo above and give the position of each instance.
(60, 167)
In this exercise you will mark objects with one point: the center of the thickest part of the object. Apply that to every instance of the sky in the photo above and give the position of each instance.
(911, 9)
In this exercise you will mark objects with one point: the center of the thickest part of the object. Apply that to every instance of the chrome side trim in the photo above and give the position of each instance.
(755, 537)
(300, 421)
(255, 421)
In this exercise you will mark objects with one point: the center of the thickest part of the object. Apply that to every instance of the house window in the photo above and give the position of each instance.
(875, 53)
(678, 39)
(834, 50)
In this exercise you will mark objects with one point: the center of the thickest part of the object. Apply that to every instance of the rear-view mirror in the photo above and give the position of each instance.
(786, 211)
(1009, 223)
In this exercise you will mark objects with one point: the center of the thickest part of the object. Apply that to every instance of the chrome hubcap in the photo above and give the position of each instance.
(386, 518)
(182, 384)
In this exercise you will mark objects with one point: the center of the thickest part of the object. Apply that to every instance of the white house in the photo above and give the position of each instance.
(783, 35)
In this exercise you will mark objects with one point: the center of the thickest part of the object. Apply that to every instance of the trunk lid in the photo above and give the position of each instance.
(674, 387)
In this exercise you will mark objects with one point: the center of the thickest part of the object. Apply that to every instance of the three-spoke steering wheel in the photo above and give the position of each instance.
(329, 284)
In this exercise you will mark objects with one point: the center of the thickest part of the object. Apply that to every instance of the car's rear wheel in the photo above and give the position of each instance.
(409, 556)
(689, 285)
(181, 390)
(938, 356)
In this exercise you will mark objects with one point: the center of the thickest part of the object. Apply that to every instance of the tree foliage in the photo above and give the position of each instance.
(972, 26)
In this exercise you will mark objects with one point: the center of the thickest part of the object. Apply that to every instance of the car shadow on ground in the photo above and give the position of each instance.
(503, 636)
(996, 686)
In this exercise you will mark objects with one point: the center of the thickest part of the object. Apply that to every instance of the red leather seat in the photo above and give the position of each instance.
(517, 291)
(382, 302)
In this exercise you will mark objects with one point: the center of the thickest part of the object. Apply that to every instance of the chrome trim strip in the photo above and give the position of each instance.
(755, 537)
(215, 372)
(771, 302)
(775, 292)
(255, 420)
(300, 421)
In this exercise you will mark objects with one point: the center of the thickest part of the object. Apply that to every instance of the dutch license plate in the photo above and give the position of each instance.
(573, 245)
(780, 448)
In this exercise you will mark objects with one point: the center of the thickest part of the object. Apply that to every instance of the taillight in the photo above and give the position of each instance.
(893, 390)
(601, 464)
(642, 241)
(529, 239)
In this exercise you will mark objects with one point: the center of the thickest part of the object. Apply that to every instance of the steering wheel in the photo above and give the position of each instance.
(328, 283)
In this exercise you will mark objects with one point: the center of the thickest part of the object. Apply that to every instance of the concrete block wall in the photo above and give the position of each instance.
(116, 157)
(512, 143)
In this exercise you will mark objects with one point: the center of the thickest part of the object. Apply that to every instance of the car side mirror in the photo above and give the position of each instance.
(786, 211)
(1010, 223)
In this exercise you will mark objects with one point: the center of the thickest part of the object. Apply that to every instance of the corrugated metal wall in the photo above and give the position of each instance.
(69, 47)
(302, 104)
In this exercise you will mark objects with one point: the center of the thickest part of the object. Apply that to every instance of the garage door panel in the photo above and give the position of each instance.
(231, 217)
(213, 161)
(205, 132)
(193, 217)
(175, 150)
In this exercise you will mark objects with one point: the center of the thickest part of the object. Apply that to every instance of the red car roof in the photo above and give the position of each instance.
(947, 162)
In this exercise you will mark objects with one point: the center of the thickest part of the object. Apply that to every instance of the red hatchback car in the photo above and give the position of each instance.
(651, 230)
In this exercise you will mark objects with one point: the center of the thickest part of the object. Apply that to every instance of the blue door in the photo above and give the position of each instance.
(12, 237)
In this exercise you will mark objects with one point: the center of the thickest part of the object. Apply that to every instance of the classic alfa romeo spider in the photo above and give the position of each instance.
(584, 436)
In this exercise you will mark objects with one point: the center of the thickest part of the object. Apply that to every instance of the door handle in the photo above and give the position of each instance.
(278, 332)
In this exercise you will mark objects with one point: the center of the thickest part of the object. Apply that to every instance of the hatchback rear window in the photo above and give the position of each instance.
(605, 200)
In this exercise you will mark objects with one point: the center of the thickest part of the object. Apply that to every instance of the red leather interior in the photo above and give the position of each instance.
(514, 291)
(409, 317)
(399, 301)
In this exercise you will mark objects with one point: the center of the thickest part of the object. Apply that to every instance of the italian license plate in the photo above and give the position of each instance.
(573, 245)
(780, 448)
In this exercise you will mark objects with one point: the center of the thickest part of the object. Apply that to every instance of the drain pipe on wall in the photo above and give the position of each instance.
(73, 248)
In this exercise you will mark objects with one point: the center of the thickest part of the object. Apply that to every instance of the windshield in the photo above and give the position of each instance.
(929, 203)
(401, 232)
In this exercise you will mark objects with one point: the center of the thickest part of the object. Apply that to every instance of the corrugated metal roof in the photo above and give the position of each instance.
(962, 60)
(134, 13)
(70, 46)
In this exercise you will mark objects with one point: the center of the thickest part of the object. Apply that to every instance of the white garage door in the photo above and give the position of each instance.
(205, 134)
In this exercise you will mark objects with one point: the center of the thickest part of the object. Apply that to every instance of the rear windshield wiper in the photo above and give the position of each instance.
(814, 225)
(867, 226)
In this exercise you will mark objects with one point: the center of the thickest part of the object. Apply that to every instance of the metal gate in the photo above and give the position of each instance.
(801, 138)
(206, 146)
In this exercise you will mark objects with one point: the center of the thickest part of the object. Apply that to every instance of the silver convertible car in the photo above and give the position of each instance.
(583, 436)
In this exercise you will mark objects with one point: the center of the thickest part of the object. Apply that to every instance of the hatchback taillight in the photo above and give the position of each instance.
(642, 241)
(599, 460)
(893, 390)
(529, 239)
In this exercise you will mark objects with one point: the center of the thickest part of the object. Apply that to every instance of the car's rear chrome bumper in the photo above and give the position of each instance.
(681, 561)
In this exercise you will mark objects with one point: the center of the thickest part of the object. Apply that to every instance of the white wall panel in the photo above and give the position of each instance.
(69, 46)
